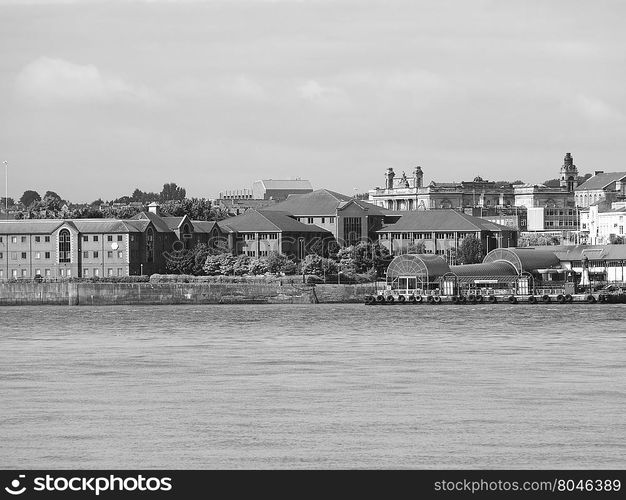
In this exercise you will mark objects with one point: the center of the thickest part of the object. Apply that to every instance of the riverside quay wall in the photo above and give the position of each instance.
(150, 293)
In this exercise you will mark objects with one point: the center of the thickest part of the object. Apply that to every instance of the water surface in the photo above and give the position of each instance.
(313, 386)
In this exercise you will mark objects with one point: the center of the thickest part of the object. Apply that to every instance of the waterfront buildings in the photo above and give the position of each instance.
(257, 233)
(348, 219)
(603, 186)
(603, 223)
(442, 232)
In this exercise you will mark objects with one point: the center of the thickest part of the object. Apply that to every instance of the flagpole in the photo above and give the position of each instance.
(6, 189)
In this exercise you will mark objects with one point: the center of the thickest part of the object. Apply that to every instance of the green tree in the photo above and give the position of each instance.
(171, 191)
(470, 251)
(29, 197)
(279, 263)
(416, 247)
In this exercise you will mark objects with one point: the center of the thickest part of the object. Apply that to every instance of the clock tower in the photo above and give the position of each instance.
(569, 174)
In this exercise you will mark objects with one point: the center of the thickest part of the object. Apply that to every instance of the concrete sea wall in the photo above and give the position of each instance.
(87, 293)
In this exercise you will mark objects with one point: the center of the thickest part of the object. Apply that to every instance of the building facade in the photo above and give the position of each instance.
(442, 232)
(609, 186)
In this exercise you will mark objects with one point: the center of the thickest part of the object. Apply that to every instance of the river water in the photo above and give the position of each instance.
(313, 386)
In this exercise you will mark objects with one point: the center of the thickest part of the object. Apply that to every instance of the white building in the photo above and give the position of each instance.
(602, 224)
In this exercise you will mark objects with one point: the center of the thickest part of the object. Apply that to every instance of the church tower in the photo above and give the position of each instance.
(569, 174)
(389, 175)
(418, 177)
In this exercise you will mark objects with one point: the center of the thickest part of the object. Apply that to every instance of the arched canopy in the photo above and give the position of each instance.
(524, 259)
(428, 267)
(485, 270)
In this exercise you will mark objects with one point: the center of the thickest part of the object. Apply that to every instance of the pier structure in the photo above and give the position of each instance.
(509, 275)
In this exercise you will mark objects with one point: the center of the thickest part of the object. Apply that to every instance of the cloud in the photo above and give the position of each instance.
(54, 81)
(596, 109)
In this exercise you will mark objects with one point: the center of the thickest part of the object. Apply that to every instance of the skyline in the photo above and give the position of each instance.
(102, 97)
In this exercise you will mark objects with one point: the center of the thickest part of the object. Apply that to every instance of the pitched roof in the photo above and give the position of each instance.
(30, 226)
(600, 181)
(592, 252)
(173, 222)
(441, 220)
(158, 222)
(267, 221)
(102, 226)
(322, 202)
(285, 184)
(203, 226)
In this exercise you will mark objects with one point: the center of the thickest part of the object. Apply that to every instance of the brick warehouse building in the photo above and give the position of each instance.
(54, 248)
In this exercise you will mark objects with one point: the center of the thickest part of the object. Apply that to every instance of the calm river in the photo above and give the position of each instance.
(313, 386)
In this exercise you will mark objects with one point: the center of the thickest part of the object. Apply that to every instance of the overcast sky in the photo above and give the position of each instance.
(98, 98)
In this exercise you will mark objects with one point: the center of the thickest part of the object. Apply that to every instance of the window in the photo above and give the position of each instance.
(61, 272)
(132, 237)
(37, 239)
(85, 255)
(13, 239)
(323, 220)
(37, 272)
(64, 246)
(46, 239)
(1, 255)
(263, 236)
(120, 255)
(273, 236)
(110, 271)
(352, 230)
(85, 238)
(331, 220)
(23, 273)
(263, 253)
(23, 255)
(14, 273)
(86, 273)
(95, 238)
(47, 273)
(119, 271)
(310, 220)
(46, 255)
(1, 240)
(1, 274)
(95, 255)
(150, 245)
(96, 272)
(120, 237)
(69, 273)
(13, 255)
(109, 254)
(23, 239)
(110, 237)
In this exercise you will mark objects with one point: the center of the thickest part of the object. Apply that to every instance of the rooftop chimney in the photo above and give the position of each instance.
(154, 208)
(598, 172)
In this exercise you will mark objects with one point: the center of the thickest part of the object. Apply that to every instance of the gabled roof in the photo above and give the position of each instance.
(173, 222)
(441, 220)
(30, 226)
(600, 181)
(158, 222)
(267, 221)
(203, 226)
(322, 203)
(285, 184)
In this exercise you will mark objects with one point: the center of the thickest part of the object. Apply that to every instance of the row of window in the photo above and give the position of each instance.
(311, 220)
(110, 254)
(46, 239)
(252, 253)
(109, 237)
(262, 236)
(24, 255)
(424, 236)
(46, 255)
(63, 273)
(24, 239)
